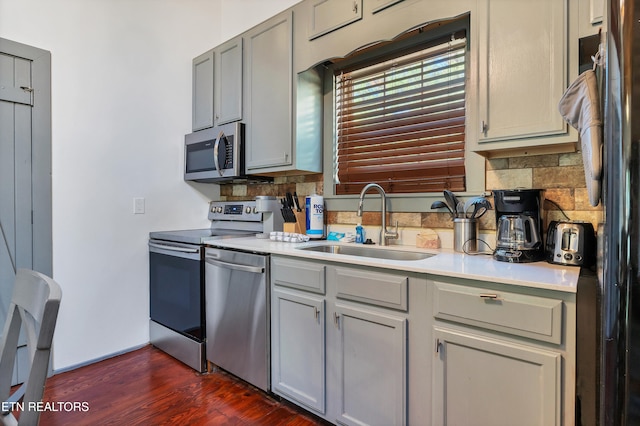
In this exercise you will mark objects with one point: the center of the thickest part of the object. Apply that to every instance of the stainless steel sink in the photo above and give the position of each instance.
(378, 253)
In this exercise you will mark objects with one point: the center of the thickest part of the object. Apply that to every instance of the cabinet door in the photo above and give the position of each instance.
(329, 15)
(378, 5)
(522, 68)
(228, 78)
(371, 352)
(482, 381)
(269, 93)
(298, 348)
(202, 96)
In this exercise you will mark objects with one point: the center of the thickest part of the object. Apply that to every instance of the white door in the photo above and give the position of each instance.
(25, 166)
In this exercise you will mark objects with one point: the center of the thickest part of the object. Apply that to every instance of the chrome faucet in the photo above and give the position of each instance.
(384, 234)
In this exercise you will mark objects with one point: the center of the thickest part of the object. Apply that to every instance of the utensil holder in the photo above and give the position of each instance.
(299, 226)
(465, 234)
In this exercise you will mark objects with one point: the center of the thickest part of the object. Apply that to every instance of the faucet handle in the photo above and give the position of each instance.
(392, 234)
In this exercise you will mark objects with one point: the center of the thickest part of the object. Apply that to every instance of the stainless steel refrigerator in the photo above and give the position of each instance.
(619, 391)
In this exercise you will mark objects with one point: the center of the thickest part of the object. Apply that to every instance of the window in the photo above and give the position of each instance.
(400, 121)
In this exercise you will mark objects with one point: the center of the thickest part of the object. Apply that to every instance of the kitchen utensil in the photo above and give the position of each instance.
(289, 200)
(441, 204)
(287, 212)
(460, 209)
(478, 210)
(451, 200)
(476, 207)
(571, 243)
(297, 202)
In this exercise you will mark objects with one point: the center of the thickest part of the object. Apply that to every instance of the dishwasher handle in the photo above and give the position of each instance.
(235, 266)
(174, 248)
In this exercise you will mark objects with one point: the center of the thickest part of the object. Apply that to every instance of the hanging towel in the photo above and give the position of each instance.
(580, 107)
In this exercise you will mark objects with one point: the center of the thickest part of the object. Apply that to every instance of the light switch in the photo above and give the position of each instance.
(138, 206)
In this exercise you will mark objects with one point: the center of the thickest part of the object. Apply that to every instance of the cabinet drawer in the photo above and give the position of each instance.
(538, 318)
(298, 274)
(375, 288)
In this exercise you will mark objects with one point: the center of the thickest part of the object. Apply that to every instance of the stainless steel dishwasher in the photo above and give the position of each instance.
(237, 314)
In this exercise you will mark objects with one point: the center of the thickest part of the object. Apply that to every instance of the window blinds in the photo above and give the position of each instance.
(401, 122)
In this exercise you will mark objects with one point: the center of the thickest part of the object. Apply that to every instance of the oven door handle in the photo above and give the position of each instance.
(174, 248)
(235, 266)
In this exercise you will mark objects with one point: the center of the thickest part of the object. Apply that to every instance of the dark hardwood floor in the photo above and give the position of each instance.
(148, 387)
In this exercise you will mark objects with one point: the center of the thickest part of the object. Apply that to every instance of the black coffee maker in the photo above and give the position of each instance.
(519, 225)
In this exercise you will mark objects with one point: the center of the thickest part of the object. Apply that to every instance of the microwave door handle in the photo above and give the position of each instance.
(216, 148)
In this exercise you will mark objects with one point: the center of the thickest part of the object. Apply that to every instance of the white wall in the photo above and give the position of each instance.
(121, 104)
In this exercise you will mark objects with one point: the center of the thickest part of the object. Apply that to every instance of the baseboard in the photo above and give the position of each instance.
(102, 358)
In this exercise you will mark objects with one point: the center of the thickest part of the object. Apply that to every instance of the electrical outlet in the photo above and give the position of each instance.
(138, 206)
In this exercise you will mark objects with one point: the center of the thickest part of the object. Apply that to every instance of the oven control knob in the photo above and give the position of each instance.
(255, 210)
(219, 209)
(247, 210)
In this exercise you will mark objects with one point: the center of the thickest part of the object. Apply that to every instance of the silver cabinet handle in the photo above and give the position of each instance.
(235, 266)
(336, 319)
(317, 312)
(490, 296)
(483, 126)
(355, 7)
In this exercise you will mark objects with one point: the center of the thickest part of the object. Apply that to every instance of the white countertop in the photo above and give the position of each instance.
(446, 262)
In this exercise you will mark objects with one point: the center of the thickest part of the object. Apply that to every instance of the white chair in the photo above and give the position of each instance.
(34, 308)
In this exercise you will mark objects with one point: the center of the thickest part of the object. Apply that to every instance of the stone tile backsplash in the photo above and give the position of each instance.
(561, 175)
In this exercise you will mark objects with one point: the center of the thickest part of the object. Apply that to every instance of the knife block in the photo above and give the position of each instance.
(299, 226)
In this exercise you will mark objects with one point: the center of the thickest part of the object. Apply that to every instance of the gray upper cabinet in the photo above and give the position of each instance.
(202, 96)
(268, 94)
(378, 5)
(228, 82)
(524, 65)
(329, 15)
(217, 86)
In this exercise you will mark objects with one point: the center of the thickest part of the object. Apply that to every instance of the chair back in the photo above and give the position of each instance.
(34, 309)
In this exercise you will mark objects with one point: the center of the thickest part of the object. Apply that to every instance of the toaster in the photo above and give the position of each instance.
(571, 243)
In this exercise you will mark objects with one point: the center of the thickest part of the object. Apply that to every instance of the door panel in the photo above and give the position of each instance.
(25, 140)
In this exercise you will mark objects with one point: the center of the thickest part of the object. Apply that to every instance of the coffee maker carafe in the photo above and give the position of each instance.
(519, 225)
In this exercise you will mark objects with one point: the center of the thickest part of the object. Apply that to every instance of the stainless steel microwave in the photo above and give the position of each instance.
(215, 154)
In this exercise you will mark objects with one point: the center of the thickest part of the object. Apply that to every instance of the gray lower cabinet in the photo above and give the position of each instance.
(483, 381)
(503, 355)
(343, 360)
(359, 345)
(298, 347)
(371, 357)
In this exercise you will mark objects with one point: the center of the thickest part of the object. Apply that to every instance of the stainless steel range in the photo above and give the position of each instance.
(177, 322)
